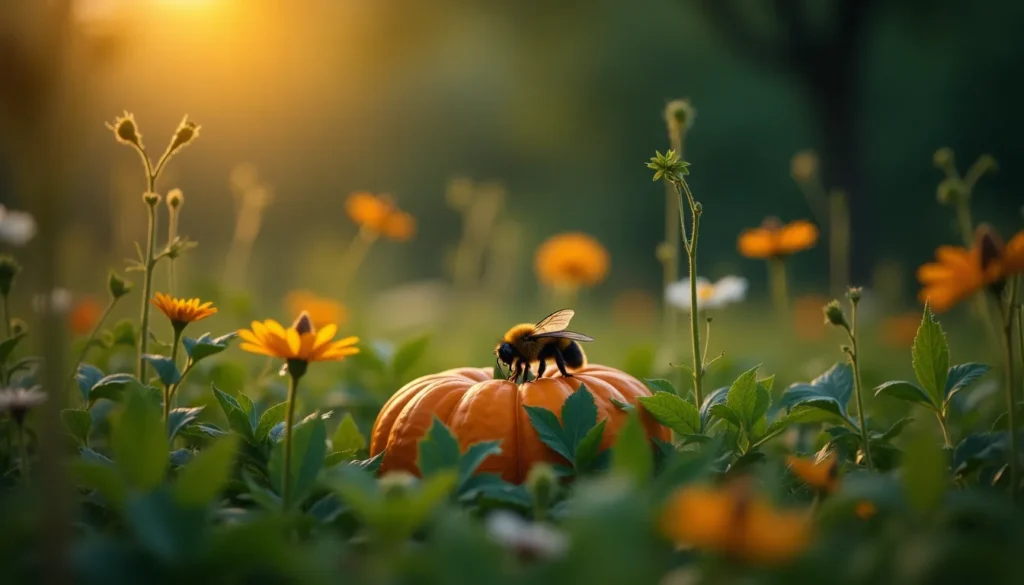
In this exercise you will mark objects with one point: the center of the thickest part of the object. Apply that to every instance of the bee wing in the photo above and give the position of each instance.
(556, 321)
(564, 334)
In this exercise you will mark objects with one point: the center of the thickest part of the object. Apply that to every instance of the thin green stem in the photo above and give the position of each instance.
(7, 315)
(23, 451)
(169, 388)
(779, 283)
(92, 336)
(691, 252)
(858, 390)
(1008, 317)
(147, 291)
(286, 482)
(172, 233)
(354, 257)
(945, 429)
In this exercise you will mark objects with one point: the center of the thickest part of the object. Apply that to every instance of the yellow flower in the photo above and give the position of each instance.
(181, 312)
(819, 472)
(775, 240)
(300, 342)
(320, 309)
(959, 273)
(380, 215)
(571, 260)
(735, 522)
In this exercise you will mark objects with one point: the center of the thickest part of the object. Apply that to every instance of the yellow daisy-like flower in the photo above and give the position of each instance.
(301, 342)
(959, 273)
(320, 309)
(181, 312)
(775, 240)
(571, 260)
(818, 472)
(734, 521)
(380, 215)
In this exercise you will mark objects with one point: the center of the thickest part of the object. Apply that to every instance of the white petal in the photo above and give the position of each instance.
(17, 227)
(731, 289)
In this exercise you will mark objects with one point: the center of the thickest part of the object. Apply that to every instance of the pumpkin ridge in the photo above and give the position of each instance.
(518, 436)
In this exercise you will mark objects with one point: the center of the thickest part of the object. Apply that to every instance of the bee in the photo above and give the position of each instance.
(526, 344)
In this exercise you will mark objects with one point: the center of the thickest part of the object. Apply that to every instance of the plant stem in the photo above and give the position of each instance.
(147, 290)
(169, 388)
(23, 450)
(778, 278)
(855, 359)
(7, 315)
(92, 336)
(1011, 403)
(286, 489)
(691, 252)
(172, 233)
(945, 429)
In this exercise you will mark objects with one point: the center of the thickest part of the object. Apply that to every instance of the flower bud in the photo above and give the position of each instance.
(542, 483)
(175, 199)
(855, 293)
(118, 286)
(18, 326)
(951, 192)
(943, 158)
(698, 208)
(9, 268)
(185, 134)
(834, 315)
(804, 166)
(151, 199)
(679, 115)
(126, 131)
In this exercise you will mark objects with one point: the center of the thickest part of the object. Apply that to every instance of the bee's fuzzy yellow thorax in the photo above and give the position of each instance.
(517, 332)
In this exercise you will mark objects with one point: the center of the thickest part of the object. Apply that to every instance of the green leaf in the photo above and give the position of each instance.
(408, 353)
(924, 472)
(906, 391)
(270, 418)
(961, 376)
(489, 487)
(347, 436)
(623, 406)
(975, 450)
(112, 387)
(87, 377)
(748, 399)
(101, 477)
(673, 412)
(180, 418)
(139, 443)
(631, 455)
(438, 450)
(893, 431)
(931, 357)
(716, 397)
(238, 419)
(165, 368)
(205, 476)
(579, 415)
(660, 385)
(727, 414)
(474, 457)
(589, 449)
(8, 345)
(309, 448)
(830, 391)
(78, 424)
(372, 464)
(267, 499)
(550, 430)
(337, 457)
(205, 346)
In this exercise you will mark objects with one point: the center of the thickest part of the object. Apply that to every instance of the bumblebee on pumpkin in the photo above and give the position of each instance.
(527, 344)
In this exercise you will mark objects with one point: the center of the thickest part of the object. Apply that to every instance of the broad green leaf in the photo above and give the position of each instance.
(474, 457)
(87, 377)
(631, 454)
(139, 443)
(893, 431)
(438, 450)
(673, 412)
(716, 397)
(727, 414)
(589, 448)
(961, 376)
(7, 346)
(924, 471)
(101, 477)
(579, 415)
(347, 436)
(550, 430)
(78, 424)
(309, 447)
(931, 357)
(748, 399)
(112, 387)
(906, 391)
(408, 354)
(776, 428)
(180, 418)
(205, 476)
(165, 368)
(975, 450)
(336, 457)
(830, 392)
(660, 385)
(238, 419)
(269, 419)
(489, 487)
(205, 346)
(372, 464)
(267, 499)
(623, 406)
(767, 384)
(809, 414)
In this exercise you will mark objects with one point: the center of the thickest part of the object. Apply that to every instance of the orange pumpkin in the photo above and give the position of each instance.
(478, 408)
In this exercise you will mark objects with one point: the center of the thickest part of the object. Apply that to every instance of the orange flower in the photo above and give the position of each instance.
(865, 510)
(181, 312)
(84, 316)
(820, 472)
(774, 240)
(380, 215)
(320, 309)
(300, 342)
(899, 331)
(959, 273)
(735, 522)
(571, 260)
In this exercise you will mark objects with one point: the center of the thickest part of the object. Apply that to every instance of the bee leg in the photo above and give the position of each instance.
(560, 362)
(519, 372)
(540, 368)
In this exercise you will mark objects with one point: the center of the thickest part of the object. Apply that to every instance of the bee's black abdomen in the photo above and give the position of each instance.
(574, 356)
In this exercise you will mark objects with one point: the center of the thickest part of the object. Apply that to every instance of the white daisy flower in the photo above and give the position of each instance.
(710, 295)
(59, 301)
(530, 540)
(18, 401)
(16, 227)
